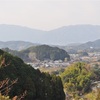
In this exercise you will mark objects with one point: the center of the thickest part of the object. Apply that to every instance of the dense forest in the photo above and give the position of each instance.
(42, 52)
(77, 80)
(38, 86)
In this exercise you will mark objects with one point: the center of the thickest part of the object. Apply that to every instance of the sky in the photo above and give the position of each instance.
(49, 14)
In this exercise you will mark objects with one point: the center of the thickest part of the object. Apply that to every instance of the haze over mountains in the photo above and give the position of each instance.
(16, 45)
(61, 36)
(90, 45)
(22, 45)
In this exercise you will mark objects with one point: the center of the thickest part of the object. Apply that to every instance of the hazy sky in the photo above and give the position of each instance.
(49, 14)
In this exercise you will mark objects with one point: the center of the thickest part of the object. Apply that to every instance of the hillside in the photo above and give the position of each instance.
(90, 46)
(16, 45)
(42, 52)
(60, 36)
(39, 86)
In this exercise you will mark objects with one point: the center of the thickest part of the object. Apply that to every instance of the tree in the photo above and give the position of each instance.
(76, 78)
(39, 86)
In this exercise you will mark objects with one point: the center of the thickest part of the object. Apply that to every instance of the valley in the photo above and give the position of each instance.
(47, 59)
(49, 49)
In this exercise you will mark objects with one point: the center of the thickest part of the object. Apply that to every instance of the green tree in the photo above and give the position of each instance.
(39, 86)
(76, 78)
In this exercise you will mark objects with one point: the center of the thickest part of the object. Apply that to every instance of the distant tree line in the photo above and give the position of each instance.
(42, 52)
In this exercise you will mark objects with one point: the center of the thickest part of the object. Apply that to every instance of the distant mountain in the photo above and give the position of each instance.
(88, 46)
(42, 52)
(16, 45)
(61, 36)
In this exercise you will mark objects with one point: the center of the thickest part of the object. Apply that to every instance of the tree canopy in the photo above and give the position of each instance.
(42, 52)
(39, 86)
(77, 78)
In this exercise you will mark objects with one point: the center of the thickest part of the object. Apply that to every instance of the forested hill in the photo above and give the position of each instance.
(41, 52)
(60, 36)
(90, 46)
(39, 86)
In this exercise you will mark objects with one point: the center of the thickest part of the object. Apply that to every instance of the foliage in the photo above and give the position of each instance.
(39, 86)
(98, 94)
(96, 70)
(94, 95)
(42, 52)
(77, 78)
(91, 96)
(57, 72)
(4, 97)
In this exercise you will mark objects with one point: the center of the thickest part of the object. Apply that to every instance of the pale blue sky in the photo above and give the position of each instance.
(49, 14)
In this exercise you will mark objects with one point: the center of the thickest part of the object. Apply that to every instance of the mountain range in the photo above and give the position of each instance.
(16, 45)
(60, 36)
(22, 45)
(90, 46)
